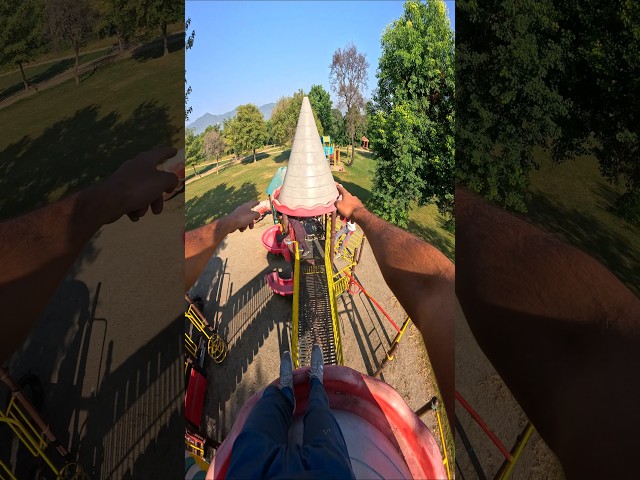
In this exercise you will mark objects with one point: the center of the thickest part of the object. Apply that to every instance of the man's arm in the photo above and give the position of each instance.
(201, 244)
(422, 279)
(560, 329)
(37, 249)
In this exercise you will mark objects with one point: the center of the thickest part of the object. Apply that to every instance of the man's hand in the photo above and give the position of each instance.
(347, 204)
(136, 185)
(241, 218)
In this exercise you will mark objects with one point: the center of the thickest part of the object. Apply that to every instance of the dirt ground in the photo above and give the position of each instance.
(480, 385)
(256, 323)
(108, 352)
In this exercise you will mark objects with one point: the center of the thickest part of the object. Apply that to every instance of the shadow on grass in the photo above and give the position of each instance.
(155, 48)
(433, 237)
(282, 156)
(590, 235)
(77, 152)
(354, 189)
(54, 69)
(217, 202)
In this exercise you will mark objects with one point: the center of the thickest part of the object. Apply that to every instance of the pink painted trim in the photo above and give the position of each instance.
(301, 211)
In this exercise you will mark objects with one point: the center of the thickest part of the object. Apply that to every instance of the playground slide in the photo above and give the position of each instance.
(270, 240)
(279, 285)
(384, 437)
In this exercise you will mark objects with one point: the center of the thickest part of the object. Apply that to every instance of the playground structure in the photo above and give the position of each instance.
(332, 152)
(34, 434)
(385, 438)
(201, 340)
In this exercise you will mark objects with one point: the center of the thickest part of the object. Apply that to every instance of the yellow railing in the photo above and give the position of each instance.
(216, 346)
(26, 432)
(328, 255)
(294, 313)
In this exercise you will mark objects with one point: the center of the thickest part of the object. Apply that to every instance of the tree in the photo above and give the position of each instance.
(188, 44)
(411, 121)
(601, 83)
(282, 122)
(71, 20)
(161, 13)
(214, 145)
(338, 128)
(248, 130)
(348, 80)
(284, 118)
(509, 58)
(21, 34)
(119, 15)
(321, 104)
(193, 149)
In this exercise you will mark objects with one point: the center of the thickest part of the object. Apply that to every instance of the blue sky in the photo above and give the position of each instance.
(258, 51)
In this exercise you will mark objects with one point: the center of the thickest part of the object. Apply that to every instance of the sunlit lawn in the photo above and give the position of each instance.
(216, 195)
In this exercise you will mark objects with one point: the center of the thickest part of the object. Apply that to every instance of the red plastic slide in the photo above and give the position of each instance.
(384, 437)
(270, 241)
(279, 285)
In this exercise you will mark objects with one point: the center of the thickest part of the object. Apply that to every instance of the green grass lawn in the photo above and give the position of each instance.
(216, 195)
(573, 200)
(69, 136)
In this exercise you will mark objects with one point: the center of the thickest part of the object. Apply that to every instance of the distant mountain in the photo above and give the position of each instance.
(201, 123)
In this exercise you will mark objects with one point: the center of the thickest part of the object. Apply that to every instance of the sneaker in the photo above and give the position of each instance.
(317, 363)
(286, 371)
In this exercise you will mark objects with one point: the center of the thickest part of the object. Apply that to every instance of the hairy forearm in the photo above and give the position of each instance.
(422, 279)
(559, 328)
(37, 250)
(200, 245)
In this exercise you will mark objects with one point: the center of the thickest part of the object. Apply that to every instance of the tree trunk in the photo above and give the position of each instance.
(120, 41)
(165, 39)
(353, 150)
(254, 155)
(76, 48)
(24, 77)
(195, 171)
(217, 163)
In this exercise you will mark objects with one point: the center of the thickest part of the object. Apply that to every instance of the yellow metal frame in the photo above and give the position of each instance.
(516, 452)
(26, 432)
(332, 297)
(294, 313)
(216, 346)
(34, 441)
(445, 460)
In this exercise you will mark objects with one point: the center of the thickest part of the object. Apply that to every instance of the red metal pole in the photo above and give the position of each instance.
(492, 436)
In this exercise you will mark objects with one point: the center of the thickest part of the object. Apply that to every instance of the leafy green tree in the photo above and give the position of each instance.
(248, 130)
(214, 145)
(320, 101)
(284, 118)
(71, 21)
(193, 149)
(349, 79)
(188, 44)
(119, 16)
(411, 121)
(601, 83)
(338, 128)
(21, 33)
(160, 13)
(510, 58)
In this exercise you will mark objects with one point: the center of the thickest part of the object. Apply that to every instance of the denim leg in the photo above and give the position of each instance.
(323, 446)
(260, 449)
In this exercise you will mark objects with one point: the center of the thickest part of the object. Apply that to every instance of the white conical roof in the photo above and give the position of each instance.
(308, 186)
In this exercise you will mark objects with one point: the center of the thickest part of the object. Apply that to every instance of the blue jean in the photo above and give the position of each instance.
(262, 451)
(347, 233)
